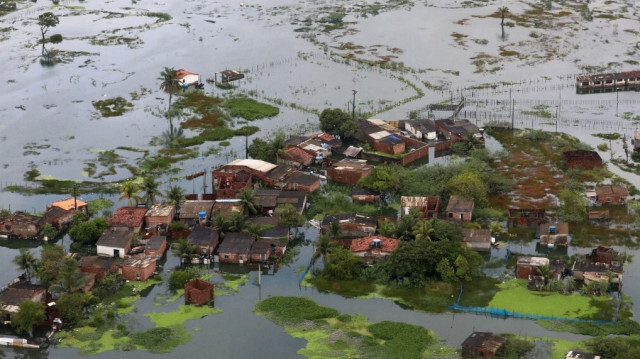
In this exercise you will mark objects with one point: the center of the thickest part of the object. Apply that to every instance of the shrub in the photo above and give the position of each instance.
(293, 310)
(180, 277)
(55, 39)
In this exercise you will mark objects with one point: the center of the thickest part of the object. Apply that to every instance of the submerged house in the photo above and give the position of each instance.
(528, 266)
(348, 171)
(459, 209)
(482, 345)
(612, 194)
(205, 239)
(350, 225)
(99, 266)
(115, 242)
(15, 293)
(553, 234)
(581, 158)
(526, 217)
(235, 248)
(196, 212)
(139, 269)
(21, 225)
(198, 292)
(477, 239)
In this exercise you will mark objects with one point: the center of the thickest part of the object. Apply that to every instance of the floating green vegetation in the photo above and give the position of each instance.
(233, 281)
(186, 312)
(112, 107)
(55, 186)
(250, 109)
(539, 111)
(129, 293)
(608, 136)
(330, 334)
(514, 296)
(162, 16)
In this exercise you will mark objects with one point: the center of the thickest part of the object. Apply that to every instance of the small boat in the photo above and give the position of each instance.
(11, 341)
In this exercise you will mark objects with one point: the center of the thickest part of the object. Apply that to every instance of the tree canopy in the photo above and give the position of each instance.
(267, 150)
(469, 185)
(169, 82)
(47, 21)
(88, 232)
(383, 179)
(337, 122)
(573, 206)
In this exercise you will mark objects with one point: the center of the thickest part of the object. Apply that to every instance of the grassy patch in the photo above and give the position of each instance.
(293, 310)
(514, 296)
(234, 282)
(250, 109)
(186, 312)
(112, 107)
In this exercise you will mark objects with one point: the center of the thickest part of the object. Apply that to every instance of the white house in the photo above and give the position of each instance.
(115, 242)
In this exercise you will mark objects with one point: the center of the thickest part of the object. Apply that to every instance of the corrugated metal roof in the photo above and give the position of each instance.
(380, 134)
(258, 165)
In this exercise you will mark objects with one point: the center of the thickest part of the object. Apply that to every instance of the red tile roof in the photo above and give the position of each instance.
(364, 244)
(298, 154)
(128, 217)
(324, 136)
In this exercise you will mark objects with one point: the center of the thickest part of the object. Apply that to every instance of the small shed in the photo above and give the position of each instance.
(482, 345)
(581, 159)
(230, 75)
(139, 269)
(364, 195)
(235, 248)
(198, 292)
(115, 242)
(478, 239)
(554, 234)
(526, 266)
(459, 209)
(427, 206)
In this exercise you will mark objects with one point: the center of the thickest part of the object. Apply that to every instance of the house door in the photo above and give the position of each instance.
(116, 253)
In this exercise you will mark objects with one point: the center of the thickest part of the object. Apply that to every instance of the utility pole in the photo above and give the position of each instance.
(75, 196)
(513, 111)
(353, 105)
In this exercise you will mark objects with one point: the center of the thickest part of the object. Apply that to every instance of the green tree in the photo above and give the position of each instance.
(175, 195)
(384, 180)
(387, 229)
(503, 10)
(406, 224)
(341, 264)
(324, 245)
(50, 258)
(337, 122)
(463, 269)
(446, 271)
(108, 285)
(289, 216)
(237, 222)
(184, 250)
(88, 232)
(129, 191)
(70, 306)
(248, 203)
(573, 206)
(267, 150)
(151, 191)
(28, 316)
(169, 83)
(469, 185)
(47, 21)
(26, 262)
(70, 279)
(180, 277)
(423, 230)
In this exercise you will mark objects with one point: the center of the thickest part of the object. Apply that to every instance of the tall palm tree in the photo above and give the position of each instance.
(323, 247)
(169, 84)
(254, 230)
(238, 222)
(248, 205)
(503, 10)
(150, 188)
(26, 261)
(423, 230)
(183, 249)
(129, 191)
(175, 195)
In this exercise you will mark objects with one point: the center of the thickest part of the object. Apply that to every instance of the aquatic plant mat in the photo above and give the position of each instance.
(333, 335)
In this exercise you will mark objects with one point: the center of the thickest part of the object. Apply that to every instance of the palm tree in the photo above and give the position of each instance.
(183, 249)
(169, 84)
(254, 230)
(423, 230)
(70, 278)
(503, 10)
(129, 191)
(238, 222)
(150, 188)
(323, 247)
(175, 195)
(248, 205)
(25, 261)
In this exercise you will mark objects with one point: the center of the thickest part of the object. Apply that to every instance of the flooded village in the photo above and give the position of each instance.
(442, 179)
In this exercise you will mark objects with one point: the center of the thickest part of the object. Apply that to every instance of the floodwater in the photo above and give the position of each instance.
(47, 120)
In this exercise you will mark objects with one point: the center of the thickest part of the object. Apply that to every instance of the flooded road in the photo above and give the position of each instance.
(290, 56)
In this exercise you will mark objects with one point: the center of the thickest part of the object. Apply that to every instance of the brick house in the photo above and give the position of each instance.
(270, 199)
(22, 225)
(71, 204)
(612, 194)
(348, 171)
(159, 215)
(15, 293)
(131, 217)
(156, 246)
(295, 157)
(427, 206)
(205, 238)
(459, 209)
(99, 266)
(526, 217)
(139, 269)
(115, 242)
(373, 248)
(482, 345)
(364, 195)
(553, 234)
(477, 239)
(581, 158)
(60, 214)
(198, 292)
(235, 248)
(350, 225)
(526, 266)
(457, 130)
(261, 250)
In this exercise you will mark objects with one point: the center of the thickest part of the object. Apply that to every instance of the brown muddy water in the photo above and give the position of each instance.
(446, 49)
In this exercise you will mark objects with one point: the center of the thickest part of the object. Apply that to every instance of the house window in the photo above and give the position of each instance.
(226, 256)
(241, 258)
(450, 214)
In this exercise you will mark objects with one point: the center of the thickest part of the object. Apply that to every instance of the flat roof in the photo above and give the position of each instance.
(258, 165)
